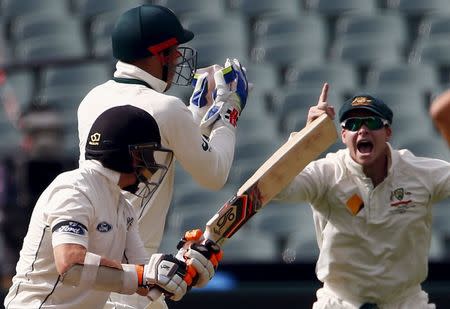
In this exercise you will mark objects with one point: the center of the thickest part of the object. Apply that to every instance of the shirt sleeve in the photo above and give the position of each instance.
(439, 175)
(310, 185)
(208, 161)
(69, 214)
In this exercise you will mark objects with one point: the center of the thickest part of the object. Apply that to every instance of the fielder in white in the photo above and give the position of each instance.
(372, 211)
(146, 41)
(83, 218)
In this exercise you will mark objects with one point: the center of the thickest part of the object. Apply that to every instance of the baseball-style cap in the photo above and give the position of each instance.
(367, 102)
(146, 30)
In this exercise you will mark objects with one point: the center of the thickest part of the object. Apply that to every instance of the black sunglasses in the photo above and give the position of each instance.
(372, 123)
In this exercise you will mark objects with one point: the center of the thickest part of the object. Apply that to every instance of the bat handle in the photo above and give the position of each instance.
(154, 293)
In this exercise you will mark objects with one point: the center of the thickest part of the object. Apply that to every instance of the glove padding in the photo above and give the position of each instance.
(202, 255)
(202, 96)
(168, 273)
(230, 96)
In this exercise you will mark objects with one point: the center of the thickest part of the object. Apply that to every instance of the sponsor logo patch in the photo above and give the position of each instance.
(205, 143)
(71, 227)
(104, 227)
(355, 204)
(94, 139)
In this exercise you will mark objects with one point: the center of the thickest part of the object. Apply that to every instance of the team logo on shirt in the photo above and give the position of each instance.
(104, 227)
(398, 197)
(94, 139)
(71, 227)
(400, 201)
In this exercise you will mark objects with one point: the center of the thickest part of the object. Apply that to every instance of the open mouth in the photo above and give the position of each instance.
(364, 146)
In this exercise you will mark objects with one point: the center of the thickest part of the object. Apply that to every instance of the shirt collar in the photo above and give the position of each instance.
(113, 176)
(127, 70)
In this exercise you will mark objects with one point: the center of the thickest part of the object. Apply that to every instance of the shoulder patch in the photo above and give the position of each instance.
(72, 227)
(104, 227)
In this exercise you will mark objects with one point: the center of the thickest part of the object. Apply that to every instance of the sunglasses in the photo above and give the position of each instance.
(372, 123)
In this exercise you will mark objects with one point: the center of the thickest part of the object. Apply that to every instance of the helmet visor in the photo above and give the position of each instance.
(153, 162)
(185, 67)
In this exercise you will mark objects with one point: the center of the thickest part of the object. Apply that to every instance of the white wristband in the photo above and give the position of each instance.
(129, 279)
(89, 273)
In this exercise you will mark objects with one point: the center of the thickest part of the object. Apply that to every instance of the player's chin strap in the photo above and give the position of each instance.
(165, 65)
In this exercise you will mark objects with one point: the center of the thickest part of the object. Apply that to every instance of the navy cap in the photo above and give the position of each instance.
(367, 102)
(114, 131)
(146, 30)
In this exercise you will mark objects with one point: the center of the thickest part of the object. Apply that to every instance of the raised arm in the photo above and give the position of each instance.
(440, 114)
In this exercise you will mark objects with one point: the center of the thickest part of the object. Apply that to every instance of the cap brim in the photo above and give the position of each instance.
(187, 36)
(369, 108)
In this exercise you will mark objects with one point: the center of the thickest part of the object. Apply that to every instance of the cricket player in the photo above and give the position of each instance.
(146, 41)
(83, 218)
(372, 209)
(440, 113)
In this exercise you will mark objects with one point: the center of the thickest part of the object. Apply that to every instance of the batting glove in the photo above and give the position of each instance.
(230, 96)
(166, 272)
(203, 256)
(202, 96)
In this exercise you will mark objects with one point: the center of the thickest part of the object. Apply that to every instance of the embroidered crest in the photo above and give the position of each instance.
(104, 227)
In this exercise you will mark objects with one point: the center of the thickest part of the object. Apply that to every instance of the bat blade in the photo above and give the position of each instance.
(272, 177)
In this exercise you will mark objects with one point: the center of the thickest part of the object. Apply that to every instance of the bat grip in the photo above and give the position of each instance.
(154, 293)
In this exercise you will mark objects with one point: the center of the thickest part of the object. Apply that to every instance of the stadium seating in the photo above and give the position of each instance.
(386, 28)
(88, 9)
(12, 9)
(263, 248)
(282, 219)
(22, 83)
(254, 9)
(431, 50)
(423, 77)
(343, 78)
(53, 47)
(198, 8)
(41, 25)
(365, 52)
(291, 106)
(419, 7)
(285, 52)
(306, 28)
(434, 26)
(75, 80)
(332, 8)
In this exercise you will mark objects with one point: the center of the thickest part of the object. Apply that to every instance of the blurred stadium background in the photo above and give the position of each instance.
(53, 51)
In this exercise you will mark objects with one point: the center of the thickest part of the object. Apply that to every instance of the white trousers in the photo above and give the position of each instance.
(327, 299)
(135, 301)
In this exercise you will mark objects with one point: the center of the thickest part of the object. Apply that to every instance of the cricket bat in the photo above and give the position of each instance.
(268, 180)
(271, 178)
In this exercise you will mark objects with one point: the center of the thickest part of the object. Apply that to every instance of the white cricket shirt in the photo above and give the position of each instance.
(208, 163)
(84, 206)
(373, 242)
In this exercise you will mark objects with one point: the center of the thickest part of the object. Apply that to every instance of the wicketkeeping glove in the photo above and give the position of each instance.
(230, 96)
(201, 255)
(167, 272)
(202, 96)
